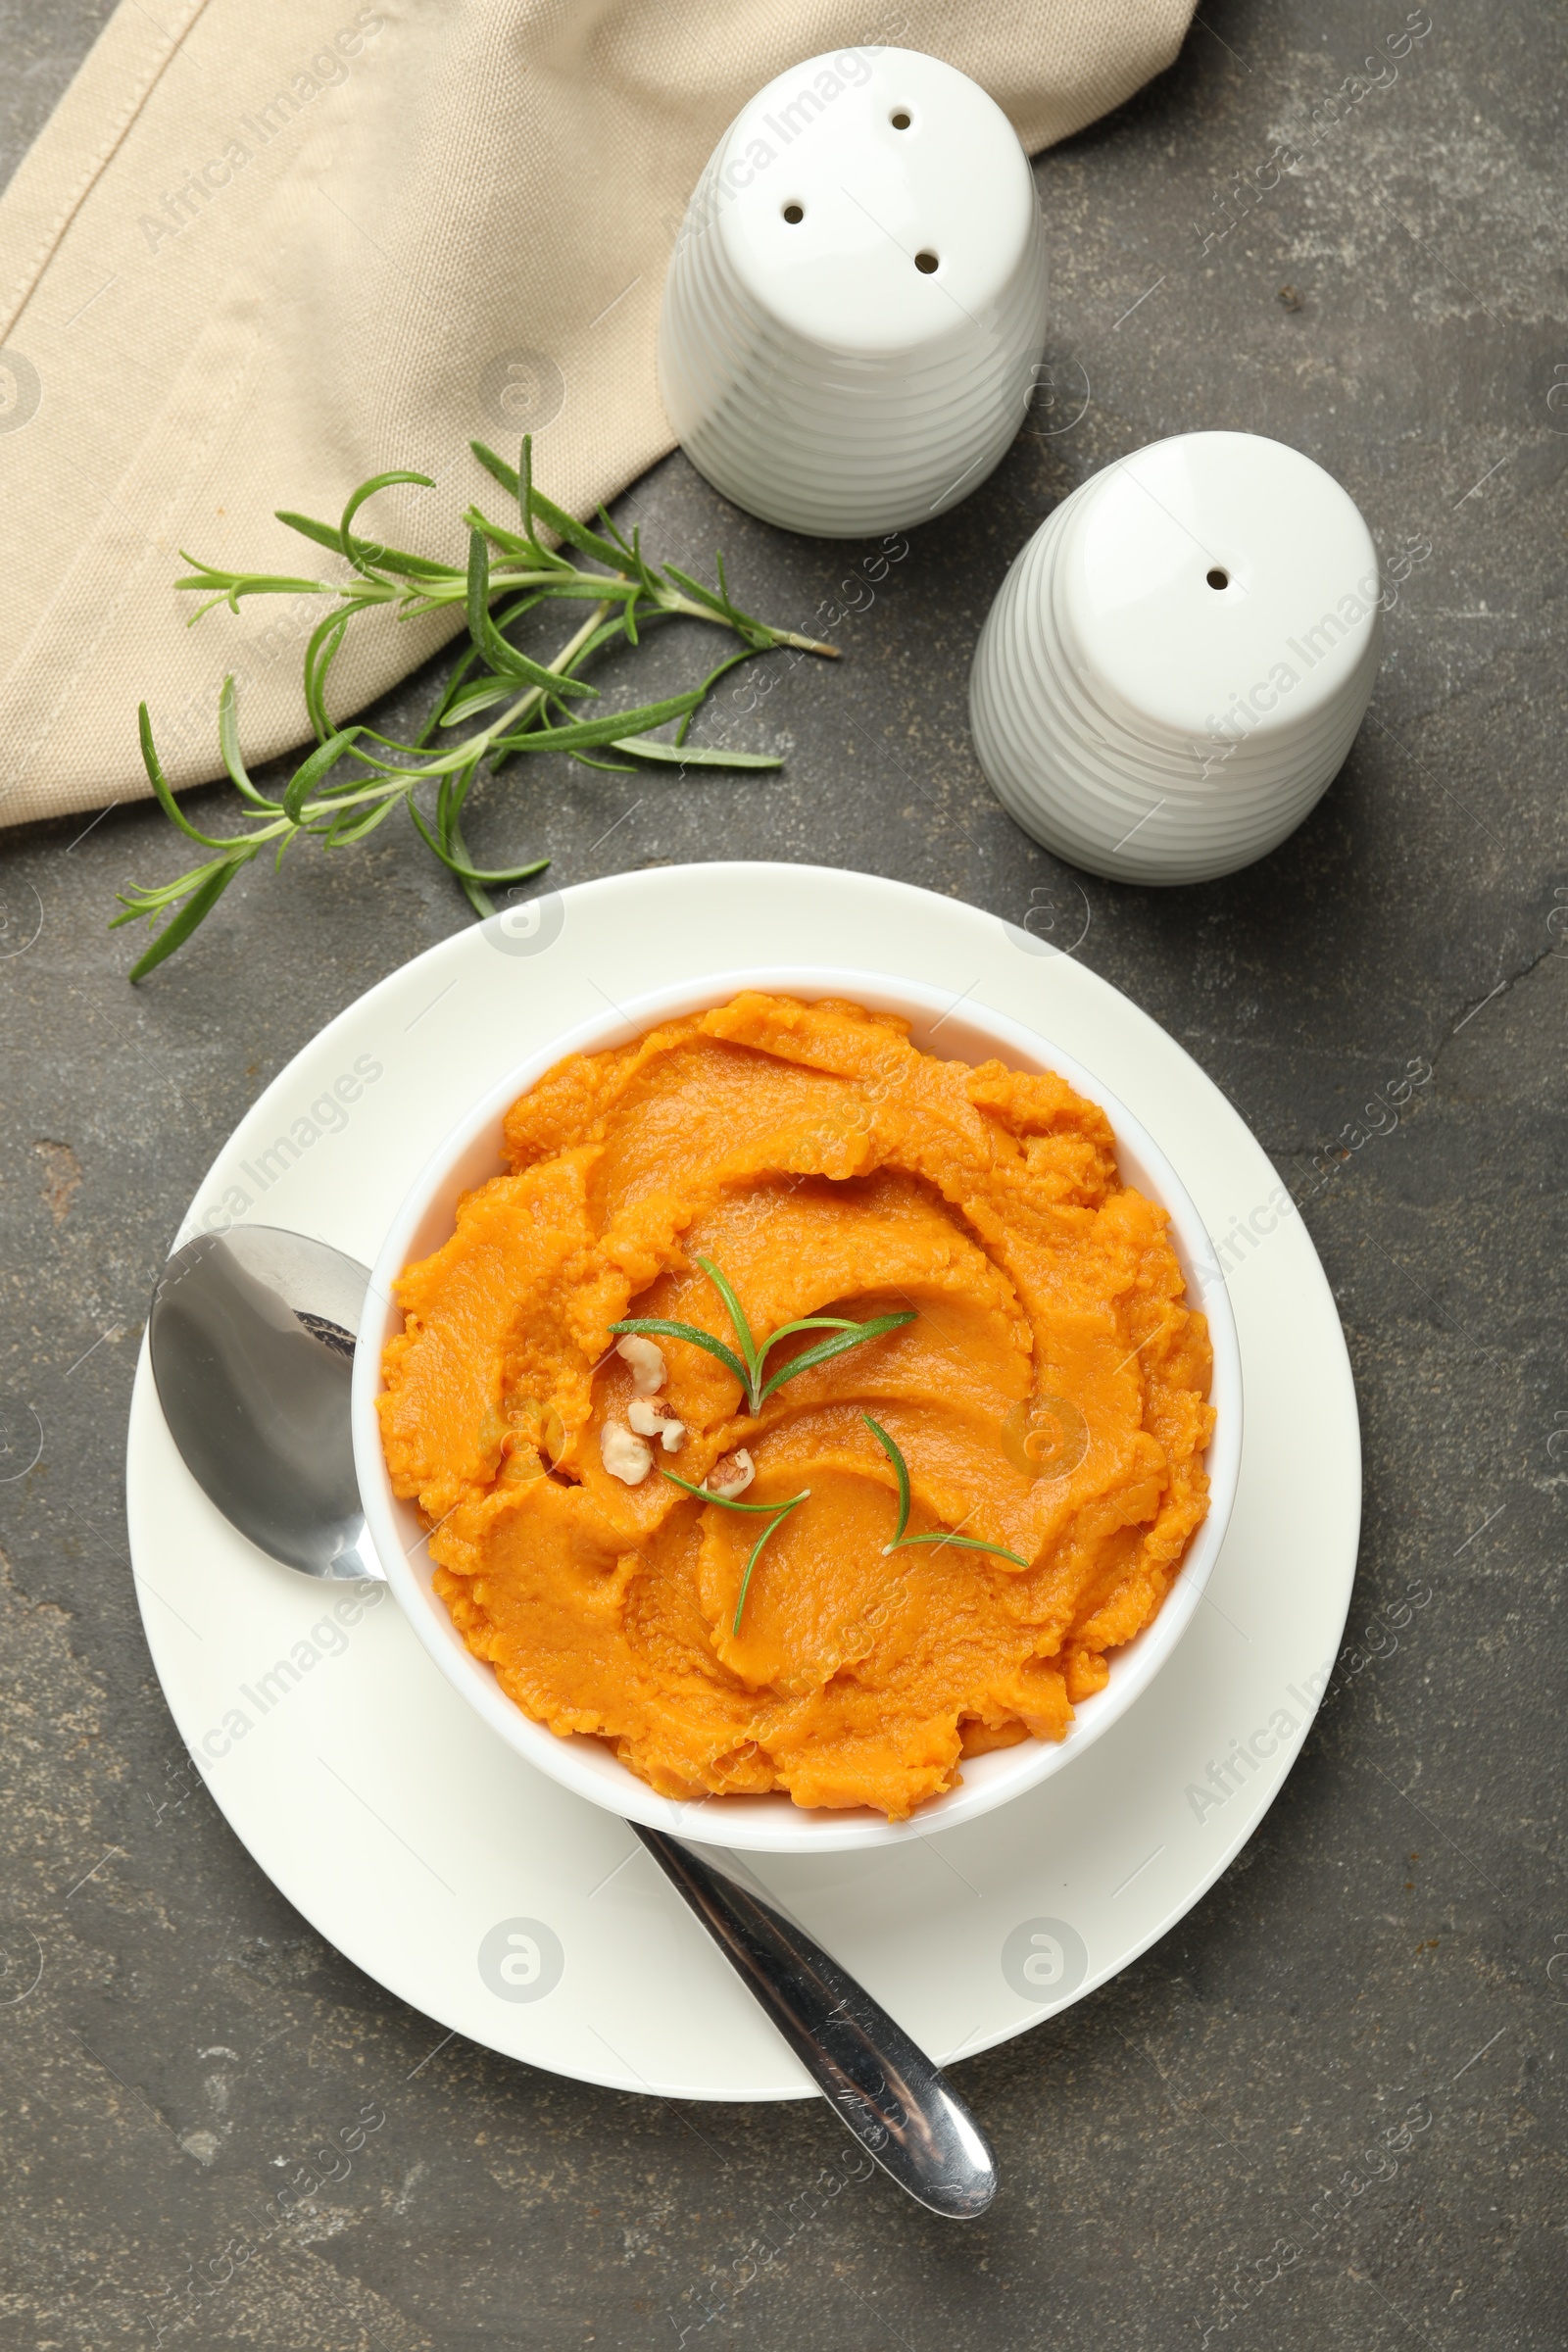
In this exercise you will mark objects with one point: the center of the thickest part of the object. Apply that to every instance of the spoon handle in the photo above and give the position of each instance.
(881, 2085)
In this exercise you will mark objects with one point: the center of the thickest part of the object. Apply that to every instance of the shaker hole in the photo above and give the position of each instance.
(900, 120)
(926, 262)
(793, 213)
(1218, 578)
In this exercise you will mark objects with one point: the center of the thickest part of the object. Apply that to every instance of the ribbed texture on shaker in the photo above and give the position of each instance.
(1125, 780)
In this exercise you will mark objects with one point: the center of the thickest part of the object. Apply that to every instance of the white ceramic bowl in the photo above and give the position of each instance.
(857, 298)
(1177, 663)
(774, 1824)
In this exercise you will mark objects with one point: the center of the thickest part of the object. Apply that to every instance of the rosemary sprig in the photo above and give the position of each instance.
(538, 707)
(900, 1539)
(749, 1373)
(780, 1512)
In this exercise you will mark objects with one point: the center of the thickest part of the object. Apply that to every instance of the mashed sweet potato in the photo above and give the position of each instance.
(1049, 1397)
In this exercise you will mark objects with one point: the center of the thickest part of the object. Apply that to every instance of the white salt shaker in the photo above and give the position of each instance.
(857, 301)
(1176, 665)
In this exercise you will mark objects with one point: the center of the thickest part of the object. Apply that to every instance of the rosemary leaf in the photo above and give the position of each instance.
(577, 534)
(451, 857)
(312, 770)
(599, 730)
(196, 908)
(777, 1513)
(160, 784)
(501, 654)
(900, 1542)
(900, 1469)
(506, 475)
(961, 1544)
(228, 745)
(358, 552)
(480, 693)
(728, 1503)
(734, 661)
(826, 1350)
(231, 586)
(356, 824)
(745, 1579)
(743, 1330)
(657, 1327)
(393, 558)
(755, 632)
(319, 654)
(702, 755)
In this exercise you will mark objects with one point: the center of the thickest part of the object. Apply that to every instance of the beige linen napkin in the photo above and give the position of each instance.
(265, 248)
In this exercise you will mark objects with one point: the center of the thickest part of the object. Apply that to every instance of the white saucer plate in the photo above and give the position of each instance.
(513, 1912)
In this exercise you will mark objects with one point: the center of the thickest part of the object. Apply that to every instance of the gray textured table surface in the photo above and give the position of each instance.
(1388, 1941)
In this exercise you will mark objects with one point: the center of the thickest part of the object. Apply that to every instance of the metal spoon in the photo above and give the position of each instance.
(252, 1338)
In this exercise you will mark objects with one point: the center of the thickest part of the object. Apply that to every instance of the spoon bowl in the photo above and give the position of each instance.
(251, 1337)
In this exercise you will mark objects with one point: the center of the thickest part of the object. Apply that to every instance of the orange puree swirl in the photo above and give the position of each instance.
(1049, 1397)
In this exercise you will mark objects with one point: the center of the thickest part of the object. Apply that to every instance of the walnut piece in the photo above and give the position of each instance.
(731, 1474)
(648, 1422)
(647, 1362)
(624, 1456)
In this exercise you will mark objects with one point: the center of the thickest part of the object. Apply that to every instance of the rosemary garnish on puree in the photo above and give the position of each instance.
(750, 1373)
(757, 1390)
(749, 1368)
(900, 1539)
(780, 1512)
(539, 706)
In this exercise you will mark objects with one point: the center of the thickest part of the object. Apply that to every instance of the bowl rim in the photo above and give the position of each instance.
(470, 1150)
